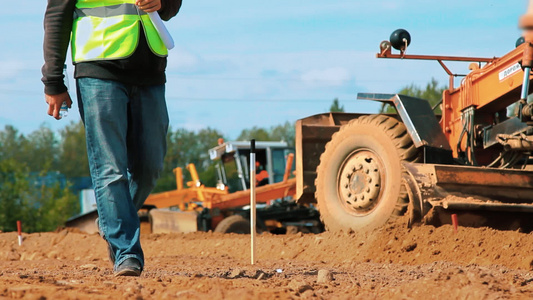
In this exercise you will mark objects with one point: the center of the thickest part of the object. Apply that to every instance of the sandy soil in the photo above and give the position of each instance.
(392, 263)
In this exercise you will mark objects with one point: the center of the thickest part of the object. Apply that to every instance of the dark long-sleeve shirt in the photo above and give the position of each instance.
(143, 67)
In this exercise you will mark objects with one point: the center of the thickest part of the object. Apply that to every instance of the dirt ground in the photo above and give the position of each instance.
(394, 262)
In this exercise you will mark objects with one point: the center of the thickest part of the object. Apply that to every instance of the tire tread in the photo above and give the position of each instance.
(400, 137)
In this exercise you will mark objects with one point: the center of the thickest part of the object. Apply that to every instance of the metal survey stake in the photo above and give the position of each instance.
(252, 199)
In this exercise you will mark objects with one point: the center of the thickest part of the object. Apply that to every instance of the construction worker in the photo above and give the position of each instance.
(261, 175)
(120, 63)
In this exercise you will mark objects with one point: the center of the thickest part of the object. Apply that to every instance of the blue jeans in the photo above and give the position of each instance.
(126, 128)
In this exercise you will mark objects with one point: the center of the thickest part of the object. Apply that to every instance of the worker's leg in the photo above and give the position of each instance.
(146, 140)
(104, 110)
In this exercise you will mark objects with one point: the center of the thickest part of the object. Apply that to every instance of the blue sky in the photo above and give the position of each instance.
(239, 64)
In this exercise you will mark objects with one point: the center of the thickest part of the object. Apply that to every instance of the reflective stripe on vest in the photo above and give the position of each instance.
(102, 32)
(108, 11)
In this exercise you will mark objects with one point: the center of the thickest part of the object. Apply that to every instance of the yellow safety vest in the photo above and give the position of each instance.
(109, 29)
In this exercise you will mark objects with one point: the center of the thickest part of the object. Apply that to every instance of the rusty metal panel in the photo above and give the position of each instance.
(310, 144)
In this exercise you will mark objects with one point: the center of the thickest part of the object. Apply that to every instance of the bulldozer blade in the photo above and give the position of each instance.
(166, 221)
(467, 188)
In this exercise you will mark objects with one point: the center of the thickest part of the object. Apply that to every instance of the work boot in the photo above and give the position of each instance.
(110, 252)
(129, 267)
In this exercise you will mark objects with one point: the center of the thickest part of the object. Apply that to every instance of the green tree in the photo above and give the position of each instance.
(432, 93)
(285, 132)
(336, 107)
(257, 133)
(32, 167)
(31, 188)
(185, 147)
(73, 151)
(12, 144)
(13, 192)
(42, 149)
(53, 205)
(24, 197)
(206, 171)
(39, 151)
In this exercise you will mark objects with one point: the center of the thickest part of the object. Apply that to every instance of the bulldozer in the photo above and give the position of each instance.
(472, 160)
(226, 207)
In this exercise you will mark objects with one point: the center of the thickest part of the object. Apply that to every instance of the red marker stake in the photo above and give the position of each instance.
(454, 222)
(19, 229)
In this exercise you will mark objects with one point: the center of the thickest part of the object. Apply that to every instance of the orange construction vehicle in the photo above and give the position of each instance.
(473, 160)
(225, 208)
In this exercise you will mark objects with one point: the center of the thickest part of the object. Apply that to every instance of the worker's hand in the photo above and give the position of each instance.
(55, 102)
(149, 5)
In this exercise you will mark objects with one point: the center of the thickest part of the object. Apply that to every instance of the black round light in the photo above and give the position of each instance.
(400, 39)
(520, 41)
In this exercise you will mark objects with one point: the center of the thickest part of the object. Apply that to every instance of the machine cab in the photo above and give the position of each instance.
(233, 163)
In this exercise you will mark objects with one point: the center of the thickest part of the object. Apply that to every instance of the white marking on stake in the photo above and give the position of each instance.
(19, 231)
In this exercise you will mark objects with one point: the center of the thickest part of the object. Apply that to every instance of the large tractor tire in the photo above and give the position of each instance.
(234, 224)
(359, 178)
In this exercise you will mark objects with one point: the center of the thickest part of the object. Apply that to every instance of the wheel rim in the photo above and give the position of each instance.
(360, 181)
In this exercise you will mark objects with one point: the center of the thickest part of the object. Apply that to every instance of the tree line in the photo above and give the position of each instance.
(38, 170)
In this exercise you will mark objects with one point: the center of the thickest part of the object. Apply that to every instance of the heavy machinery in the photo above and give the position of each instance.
(474, 160)
(225, 208)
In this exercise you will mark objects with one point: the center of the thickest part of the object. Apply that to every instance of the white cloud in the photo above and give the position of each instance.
(11, 69)
(180, 59)
(335, 76)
